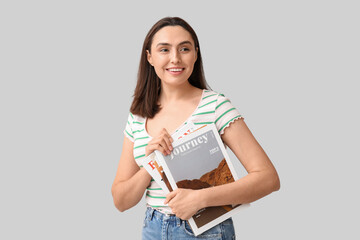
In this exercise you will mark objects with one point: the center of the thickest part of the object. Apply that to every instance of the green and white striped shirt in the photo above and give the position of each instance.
(212, 108)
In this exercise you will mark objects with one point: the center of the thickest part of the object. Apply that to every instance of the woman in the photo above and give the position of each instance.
(171, 90)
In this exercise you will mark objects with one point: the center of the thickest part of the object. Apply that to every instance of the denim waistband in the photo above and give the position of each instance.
(153, 213)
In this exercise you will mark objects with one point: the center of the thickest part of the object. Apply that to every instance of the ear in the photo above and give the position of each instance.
(148, 55)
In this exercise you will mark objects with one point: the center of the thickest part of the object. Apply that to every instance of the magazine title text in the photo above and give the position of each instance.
(188, 145)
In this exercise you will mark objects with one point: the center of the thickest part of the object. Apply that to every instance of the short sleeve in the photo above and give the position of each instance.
(225, 113)
(128, 128)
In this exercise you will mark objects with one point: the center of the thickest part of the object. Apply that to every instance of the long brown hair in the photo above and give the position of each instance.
(148, 86)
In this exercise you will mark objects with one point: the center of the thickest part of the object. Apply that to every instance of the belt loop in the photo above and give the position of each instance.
(152, 213)
(178, 221)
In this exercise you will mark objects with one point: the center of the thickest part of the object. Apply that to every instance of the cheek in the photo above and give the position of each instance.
(190, 59)
(160, 62)
(159, 71)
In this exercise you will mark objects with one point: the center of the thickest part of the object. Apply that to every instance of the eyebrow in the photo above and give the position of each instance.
(168, 44)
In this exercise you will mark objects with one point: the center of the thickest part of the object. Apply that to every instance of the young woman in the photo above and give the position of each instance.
(171, 90)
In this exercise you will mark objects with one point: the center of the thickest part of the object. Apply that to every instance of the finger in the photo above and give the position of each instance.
(169, 137)
(170, 196)
(165, 145)
(161, 149)
(165, 140)
(151, 147)
(166, 133)
(154, 146)
(185, 218)
(168, 142)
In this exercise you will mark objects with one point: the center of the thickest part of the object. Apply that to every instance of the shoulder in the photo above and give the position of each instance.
(211, 96)
(224, 111)
(213, 102)
(136, 122)
(135, 119)
(134, 125)
(215, 108)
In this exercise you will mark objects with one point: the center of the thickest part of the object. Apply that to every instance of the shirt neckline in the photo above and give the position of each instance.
(181, 125)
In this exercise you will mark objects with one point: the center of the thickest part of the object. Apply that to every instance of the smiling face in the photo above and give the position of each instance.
(173, 55)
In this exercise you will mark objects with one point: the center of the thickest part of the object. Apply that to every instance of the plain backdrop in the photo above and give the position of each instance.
(68, 70)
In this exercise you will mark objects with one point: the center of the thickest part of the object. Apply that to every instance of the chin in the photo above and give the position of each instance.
(175, 81)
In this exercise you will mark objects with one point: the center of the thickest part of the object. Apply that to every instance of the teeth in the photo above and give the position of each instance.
(175, 69)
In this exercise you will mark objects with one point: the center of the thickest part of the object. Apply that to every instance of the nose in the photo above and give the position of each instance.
(175, 57)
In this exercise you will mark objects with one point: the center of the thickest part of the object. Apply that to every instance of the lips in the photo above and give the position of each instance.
(175, 69)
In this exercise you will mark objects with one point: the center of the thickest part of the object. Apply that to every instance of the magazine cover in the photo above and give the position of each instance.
(154, 168)
(199, 160)
(188, 128)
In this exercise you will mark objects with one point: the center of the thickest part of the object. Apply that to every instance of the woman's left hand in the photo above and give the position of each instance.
(184, 203)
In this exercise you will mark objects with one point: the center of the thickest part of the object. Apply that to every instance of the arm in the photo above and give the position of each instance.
(130, 181)
(262, 178)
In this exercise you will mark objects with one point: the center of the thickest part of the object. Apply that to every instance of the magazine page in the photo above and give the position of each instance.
(188, 128)
(154, 168)
(199, 160)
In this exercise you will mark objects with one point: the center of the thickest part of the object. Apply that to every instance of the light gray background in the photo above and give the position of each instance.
(68, 70)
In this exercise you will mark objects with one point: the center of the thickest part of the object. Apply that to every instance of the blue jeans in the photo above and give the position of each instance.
(159, 226)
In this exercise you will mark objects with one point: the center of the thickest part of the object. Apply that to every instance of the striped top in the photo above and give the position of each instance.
(212, 108)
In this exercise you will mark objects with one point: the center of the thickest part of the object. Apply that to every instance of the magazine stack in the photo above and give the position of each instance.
(198, 160)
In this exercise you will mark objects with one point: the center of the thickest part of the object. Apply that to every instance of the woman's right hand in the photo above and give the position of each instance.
(161, 143)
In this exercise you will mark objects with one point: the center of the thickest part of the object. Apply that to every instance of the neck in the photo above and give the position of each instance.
(175, 93)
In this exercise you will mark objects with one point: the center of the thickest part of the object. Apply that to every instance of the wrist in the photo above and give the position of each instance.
(202, 196)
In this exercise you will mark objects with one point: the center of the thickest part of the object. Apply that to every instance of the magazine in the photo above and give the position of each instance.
(188, 128)
(199, 160)
(154, 167)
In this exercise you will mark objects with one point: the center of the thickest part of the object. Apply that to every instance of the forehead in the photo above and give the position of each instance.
(172, 35)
